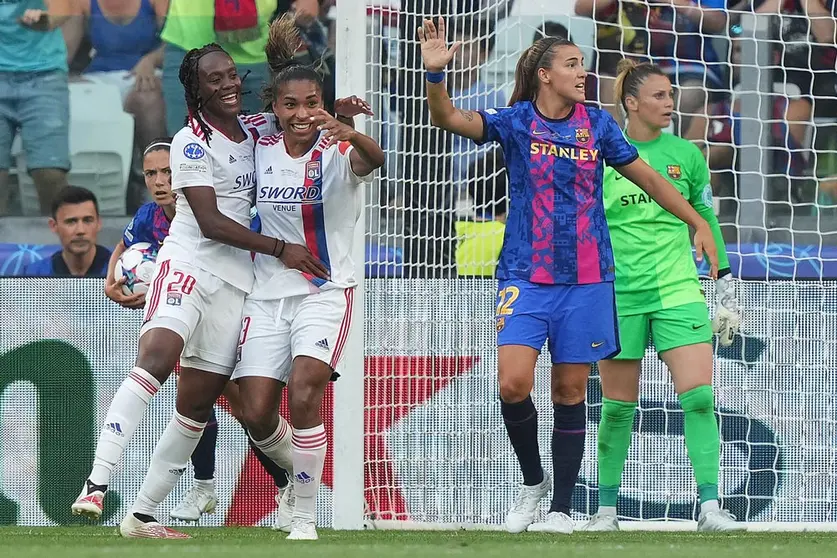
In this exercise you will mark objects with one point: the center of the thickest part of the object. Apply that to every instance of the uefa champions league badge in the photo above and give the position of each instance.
(193, 151)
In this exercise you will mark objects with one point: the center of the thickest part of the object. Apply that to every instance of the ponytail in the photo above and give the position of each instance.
(629, 78)
(283, 42)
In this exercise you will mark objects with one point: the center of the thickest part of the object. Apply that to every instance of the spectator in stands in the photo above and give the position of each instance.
(242, 31)
(34, 96)
(676, 34)
(480, 238)
(807, 58)
(76, 222)
(467, 88)
(128, 53)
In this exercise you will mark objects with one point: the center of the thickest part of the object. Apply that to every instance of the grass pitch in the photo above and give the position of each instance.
(95, 542)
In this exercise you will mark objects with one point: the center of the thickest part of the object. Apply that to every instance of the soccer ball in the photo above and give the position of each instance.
(136, 264)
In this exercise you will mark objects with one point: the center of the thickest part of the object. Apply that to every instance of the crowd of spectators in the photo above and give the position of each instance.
(446, 188)
(136, 46)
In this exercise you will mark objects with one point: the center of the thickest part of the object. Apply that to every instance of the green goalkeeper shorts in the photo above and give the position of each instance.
(667, 329)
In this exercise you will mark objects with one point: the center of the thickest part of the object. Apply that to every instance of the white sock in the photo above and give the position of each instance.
(124, 414)
(309, 450)
(277, 446)
(168, 462)
(709, 506)
(205, 485)
(607, 510)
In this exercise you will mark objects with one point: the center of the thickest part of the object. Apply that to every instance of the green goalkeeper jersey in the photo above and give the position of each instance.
(652, 248)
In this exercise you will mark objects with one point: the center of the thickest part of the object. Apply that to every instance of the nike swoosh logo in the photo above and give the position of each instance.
(619, 176)
(539, 133)
(597, 345)
(697, 326)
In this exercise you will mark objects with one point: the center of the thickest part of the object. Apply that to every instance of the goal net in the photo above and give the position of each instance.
(436, 452)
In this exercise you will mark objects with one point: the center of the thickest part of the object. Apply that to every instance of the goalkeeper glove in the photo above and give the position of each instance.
(727, 319)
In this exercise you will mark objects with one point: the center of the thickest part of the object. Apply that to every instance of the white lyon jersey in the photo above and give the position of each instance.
(229, 168)
(313, 201)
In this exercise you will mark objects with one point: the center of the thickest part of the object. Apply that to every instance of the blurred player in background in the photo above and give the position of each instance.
(658, 293)
(296, 323)
(204, 269)
(151, 224)
(556, 265)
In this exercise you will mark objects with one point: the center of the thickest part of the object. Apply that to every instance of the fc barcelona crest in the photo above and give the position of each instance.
(674, 172)
(582, 135)
(313, 170)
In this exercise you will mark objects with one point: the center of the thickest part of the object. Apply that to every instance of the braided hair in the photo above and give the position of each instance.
(282, 44)
(537, 56)
(189, 77)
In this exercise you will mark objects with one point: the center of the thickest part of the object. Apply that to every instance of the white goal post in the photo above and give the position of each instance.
(419, 443)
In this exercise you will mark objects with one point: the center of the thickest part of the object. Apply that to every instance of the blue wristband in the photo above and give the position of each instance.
(435, 77)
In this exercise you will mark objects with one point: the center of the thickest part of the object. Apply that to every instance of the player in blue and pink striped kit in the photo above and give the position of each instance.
(556, 266)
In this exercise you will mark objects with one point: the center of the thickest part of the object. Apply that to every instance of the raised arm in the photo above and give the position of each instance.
(588, 8)
(57, 12)
(436, 56)
(673, 201)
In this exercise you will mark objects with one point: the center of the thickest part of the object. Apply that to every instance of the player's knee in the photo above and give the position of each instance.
(159, 351)
(569, 394)
(618, 411)
(257, 419)
(698, 400)
(303, 401)
(514, 390)
(197, 410)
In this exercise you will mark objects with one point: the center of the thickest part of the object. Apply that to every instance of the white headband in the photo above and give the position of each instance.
(158, 144)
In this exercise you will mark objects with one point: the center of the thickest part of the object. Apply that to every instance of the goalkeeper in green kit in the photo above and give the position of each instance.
(658, 294)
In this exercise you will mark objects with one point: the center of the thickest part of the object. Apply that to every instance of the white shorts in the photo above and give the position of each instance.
(274, 332)
(122, 79)
(200, 307)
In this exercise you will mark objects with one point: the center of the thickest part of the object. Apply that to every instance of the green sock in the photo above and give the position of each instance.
(614, 441)
(703, 442)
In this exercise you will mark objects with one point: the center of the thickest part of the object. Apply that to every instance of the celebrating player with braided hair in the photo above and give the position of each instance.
(295, 324)
(658, 294)
(556, 266)
(204, 270)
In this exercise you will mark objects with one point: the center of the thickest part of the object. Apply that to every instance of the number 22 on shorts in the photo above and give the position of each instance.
(505, 298)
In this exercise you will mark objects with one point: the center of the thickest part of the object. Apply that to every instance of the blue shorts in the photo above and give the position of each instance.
(38, 104)
(578, 321)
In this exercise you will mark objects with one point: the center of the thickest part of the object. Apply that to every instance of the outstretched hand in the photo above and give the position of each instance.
(349, 107)
(434, 50)
(334, 129)
(37, 20)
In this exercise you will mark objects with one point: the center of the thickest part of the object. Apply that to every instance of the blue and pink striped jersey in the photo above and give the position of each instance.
(556, 232)
(149, 224)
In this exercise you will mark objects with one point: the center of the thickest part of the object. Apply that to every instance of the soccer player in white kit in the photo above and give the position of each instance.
(196, 297)
(295, 324)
